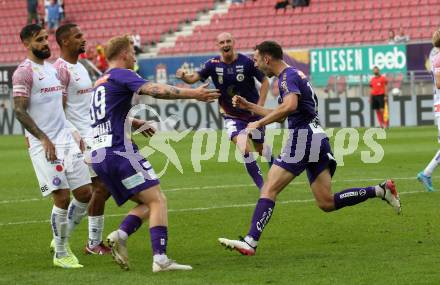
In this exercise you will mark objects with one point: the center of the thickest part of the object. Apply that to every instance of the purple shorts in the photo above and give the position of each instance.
(234, 126)
(125, 176)
(305, 150)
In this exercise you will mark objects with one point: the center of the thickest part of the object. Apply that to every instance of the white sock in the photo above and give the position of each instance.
(75, 213)
(122, 235)
(250, 240)
(96, 226)
(432, 165)
(58, 221)
(160, 258)
(380, 192)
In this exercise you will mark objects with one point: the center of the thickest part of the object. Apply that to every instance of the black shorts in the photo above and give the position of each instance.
(378, 102)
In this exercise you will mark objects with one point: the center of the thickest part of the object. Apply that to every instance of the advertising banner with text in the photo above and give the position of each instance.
(351, 62)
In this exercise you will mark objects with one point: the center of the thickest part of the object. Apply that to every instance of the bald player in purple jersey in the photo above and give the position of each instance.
(234, 74)
(307, 148)
(116, 160)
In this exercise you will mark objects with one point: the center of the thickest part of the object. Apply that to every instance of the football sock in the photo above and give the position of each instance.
(159, 239)
(58, 221)
(253, 169)
(353, 196)
(432, 165)
(262, 213)
(75, 213)
(96, 226)
(130, 224)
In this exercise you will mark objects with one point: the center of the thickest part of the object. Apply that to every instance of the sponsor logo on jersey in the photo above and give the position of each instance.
(51, 89)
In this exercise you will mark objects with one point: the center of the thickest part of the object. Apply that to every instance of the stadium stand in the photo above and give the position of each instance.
(323, 23)
(101, 19)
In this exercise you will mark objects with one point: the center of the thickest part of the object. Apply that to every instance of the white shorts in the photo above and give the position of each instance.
(87, 157)
(68, 172)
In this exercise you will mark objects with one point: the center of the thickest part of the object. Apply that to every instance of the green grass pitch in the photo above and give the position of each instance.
(365, 244)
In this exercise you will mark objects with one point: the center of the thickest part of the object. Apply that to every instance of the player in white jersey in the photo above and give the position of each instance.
(425, 176)
(76, 80)
(56, 158)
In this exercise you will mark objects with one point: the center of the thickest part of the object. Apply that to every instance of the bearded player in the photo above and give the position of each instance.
(56, 158)
(234, 74)
(306, 149)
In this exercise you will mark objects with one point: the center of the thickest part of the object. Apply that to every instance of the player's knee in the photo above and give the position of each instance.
(100, 192)
(61, 200)
(83, 194)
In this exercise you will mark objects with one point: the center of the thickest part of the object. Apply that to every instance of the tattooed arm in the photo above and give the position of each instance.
(167, 92)
(20, 106)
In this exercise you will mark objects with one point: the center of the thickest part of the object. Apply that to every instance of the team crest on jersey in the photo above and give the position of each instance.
(240, 77)
(220, 79)
(56, 181)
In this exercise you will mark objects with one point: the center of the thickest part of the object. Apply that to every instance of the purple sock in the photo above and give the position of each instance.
(353, 196)
(254, 170)
(262, 213)
(130, 224)
(159, 238)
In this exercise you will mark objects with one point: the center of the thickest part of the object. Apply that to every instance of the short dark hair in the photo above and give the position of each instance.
(271, 48)
(29, 31)
(63, 31)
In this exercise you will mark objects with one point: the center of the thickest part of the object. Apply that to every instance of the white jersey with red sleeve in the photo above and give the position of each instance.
(79, 90)
(41, 85)
(435, 69)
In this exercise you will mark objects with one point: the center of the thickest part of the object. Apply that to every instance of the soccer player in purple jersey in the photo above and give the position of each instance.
(298, 103)
(234, 74)
(126, 174)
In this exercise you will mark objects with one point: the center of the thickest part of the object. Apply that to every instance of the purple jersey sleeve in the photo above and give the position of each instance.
(289, 83)
(205, 72)
(130, 79)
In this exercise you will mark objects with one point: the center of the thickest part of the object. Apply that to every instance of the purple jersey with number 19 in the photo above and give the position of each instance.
(124, 171)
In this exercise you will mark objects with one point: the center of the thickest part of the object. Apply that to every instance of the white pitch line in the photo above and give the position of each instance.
(199, 209)
(222, 187)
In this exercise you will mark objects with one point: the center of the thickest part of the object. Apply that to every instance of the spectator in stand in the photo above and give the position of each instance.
(401, 37)
(137, 42)
(281, 4)
(391, 37)
(53, 16)
(62, 11)
(101, 64)
(32, 8)
(378, 84)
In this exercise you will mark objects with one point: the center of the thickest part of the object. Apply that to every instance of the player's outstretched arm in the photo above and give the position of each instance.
(20, 109)
(240, 102)
(168, 92)
(187, 78)
(263, 91)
